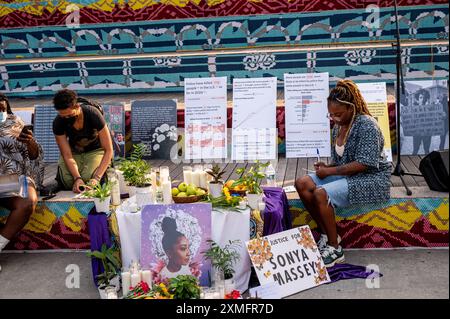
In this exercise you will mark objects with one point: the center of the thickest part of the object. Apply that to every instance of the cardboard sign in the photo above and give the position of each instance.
(290, 258)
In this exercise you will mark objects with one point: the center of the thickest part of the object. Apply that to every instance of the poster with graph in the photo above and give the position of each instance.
(307, 125)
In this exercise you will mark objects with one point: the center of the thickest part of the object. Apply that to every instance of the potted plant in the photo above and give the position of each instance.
(184, 287)
(252, 179)
(111, 265)
(216, 185)
(126, 166)
(223, 260)
(101, 193)
(136, 174)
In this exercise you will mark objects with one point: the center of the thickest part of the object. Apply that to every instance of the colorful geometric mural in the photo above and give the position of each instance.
(206, 35)
(54, 225)
(420, 222)
(26, 13)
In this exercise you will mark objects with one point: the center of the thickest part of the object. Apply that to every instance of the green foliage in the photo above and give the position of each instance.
(138, 152)
(223, 258)
(252, 178)
(101, 191)
(184, 287)
(216, 173)
(110, 262)
(135, 168)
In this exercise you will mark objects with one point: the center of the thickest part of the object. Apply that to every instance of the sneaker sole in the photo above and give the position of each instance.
(340, 260)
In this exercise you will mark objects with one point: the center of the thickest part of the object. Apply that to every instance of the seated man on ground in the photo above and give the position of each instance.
(20, 154)
(359, 173)
(83, 139)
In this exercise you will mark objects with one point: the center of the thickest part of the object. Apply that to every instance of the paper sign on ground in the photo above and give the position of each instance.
(376, 98)
(205, 118)
(290, 258)
(307, 125)
(254, 119)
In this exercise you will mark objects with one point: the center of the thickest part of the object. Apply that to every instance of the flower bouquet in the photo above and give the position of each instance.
(233, 295)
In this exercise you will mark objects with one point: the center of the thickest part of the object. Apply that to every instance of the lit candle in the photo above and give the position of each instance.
(135, 279)
(147, 277)
(167, 192)
(164, 173)
(203, 180)
(126, 282)
(187, 174)
(196, 178)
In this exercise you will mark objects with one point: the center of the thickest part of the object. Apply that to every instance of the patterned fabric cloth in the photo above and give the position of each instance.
(14, 157)
(365, 145)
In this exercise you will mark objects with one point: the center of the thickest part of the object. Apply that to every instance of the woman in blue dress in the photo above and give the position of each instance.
(359, 172)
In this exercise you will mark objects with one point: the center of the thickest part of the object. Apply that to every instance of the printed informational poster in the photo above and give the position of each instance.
(43, 132)
(291, 259)
(205, 118)
(307, 125)
(154, 123)
(115, 119)
(376, 98)
(254, 119)
(173, 239)
(424, 117)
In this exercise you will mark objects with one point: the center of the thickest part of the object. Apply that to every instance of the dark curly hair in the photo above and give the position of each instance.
(171, 234)
(3, 97)
(64, 99)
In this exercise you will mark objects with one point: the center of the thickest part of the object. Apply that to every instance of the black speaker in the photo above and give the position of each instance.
(434, 168)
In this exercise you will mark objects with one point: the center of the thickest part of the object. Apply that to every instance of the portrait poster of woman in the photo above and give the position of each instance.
(173, 238)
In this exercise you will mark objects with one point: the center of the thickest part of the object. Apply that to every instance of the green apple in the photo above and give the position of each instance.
(191, 190)
(182, 187)
(182, 194)
(200, 192)
(175, 191)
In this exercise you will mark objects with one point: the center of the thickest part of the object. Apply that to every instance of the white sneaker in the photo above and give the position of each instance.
(323, 242)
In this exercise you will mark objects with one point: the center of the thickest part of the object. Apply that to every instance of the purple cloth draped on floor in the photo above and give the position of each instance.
(99, 234)
(277, 217)
(347, 271)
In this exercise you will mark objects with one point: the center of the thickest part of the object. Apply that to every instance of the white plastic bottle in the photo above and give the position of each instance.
(271, 176)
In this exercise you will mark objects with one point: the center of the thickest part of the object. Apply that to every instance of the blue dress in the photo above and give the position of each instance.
(365, 145)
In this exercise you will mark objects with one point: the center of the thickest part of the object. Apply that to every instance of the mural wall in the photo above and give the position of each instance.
(26, 13)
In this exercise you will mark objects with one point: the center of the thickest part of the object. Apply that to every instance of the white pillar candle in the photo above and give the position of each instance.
(147, 277)
(167, 192)
(164, 173)
(126, 282)
(187, 177)
(135, 279)
(196, 178)
(217, 295)
(203, 180)
(153, 180)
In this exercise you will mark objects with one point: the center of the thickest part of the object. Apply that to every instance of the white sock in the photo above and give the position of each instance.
(3, 242)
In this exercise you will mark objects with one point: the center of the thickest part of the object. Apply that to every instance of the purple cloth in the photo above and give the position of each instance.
(347, 271)
(277, 217)
(99, 234)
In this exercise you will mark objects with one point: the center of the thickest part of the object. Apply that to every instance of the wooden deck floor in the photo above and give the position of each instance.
(288, 170)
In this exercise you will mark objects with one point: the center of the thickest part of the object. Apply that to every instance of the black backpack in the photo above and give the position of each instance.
(434, 168)
(85, 101)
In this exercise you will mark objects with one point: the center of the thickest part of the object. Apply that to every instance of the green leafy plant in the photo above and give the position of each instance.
(135, 169)
(138, 151)
(100, 191)
(252, 177)
(216, 172)
(184, 287)
(110, 262)
(224, 258)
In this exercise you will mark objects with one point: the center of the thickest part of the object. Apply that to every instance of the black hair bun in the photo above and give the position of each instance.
(169, 225)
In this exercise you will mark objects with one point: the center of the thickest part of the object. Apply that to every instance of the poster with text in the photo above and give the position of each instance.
(173, 239)
(291, 259)
(115, 118)
(205, 118)
(307, 125)
(375, 96)
(254, 134)
(424, 117)
(154, 123)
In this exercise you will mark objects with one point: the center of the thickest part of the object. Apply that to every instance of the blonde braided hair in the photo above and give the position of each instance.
(347, 92)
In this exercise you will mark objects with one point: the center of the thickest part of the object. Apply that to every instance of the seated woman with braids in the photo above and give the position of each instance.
(359, 172)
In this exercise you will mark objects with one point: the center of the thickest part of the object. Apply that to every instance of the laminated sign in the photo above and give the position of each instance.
(291, 259)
